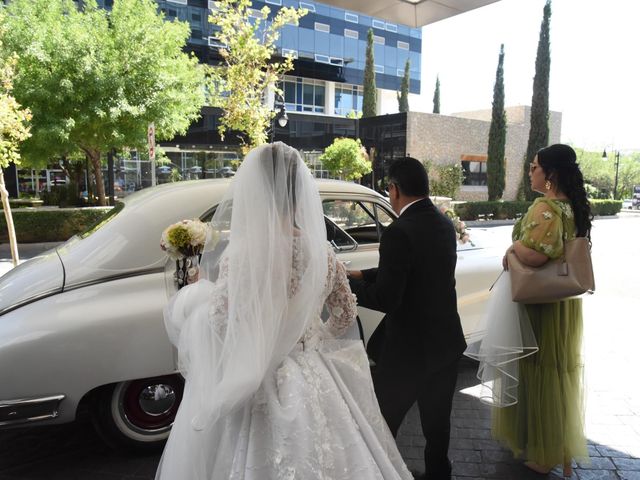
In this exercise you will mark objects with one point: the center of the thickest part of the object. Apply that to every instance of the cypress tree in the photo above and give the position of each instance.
(403, 96)
(539, 132)
(436, 96)
(497, 136)
(369, 93)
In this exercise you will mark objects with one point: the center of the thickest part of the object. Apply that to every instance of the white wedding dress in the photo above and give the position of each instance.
(315, 417)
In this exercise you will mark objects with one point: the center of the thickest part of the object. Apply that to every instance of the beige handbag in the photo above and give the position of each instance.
(568, 276)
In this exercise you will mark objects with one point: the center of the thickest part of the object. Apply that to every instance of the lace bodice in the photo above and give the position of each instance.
(340, 303)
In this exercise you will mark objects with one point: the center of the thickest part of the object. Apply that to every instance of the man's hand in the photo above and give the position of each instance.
(354, 274)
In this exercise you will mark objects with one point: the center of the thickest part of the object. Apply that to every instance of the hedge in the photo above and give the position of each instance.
(50, 225)
(498, 210)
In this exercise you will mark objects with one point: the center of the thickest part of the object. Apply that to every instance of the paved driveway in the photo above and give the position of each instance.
(612, 334)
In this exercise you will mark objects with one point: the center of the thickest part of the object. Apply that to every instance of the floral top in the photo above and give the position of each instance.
(546, 226)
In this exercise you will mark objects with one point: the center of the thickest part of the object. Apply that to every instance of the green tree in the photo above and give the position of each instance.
(239, 88)
(436, 96)
(346, 158)
(403, 96)
(539, 131)
(444, 180)
(94, 79)
(497, 136)
(14, 129)
(369, 107)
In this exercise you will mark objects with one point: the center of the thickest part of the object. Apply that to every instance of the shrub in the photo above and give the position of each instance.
(51, 225)
(605, 207)
(499, 210)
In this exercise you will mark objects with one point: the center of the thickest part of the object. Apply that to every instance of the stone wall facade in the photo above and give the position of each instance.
(442, 139)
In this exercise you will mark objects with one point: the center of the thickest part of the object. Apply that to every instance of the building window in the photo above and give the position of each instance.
(379, 69)
(303, 94)
(403, 45)
(475, 169)
(290, 52)
(336, 61)
(321, 58)
(181, 2)
(348, 98)
(391, 28)
(378, 24)
(213, 5)
(255, 13)
(274, 2)
(351, 17)
(400, 72)
(351, 33)
(308, 6)
(378, 39)
(321, 27)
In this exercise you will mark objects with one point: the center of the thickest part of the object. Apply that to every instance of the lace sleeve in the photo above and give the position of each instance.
(341, 303)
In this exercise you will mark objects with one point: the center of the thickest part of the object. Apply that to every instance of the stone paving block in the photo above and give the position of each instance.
(629, 474)
(596, 475)
(481, 444)
(597, 463)
(627, 463)
(473, 456)
(467, 469)
(462, 443)
(609, 451)
(479, 433)
(493, 456)
(593, 451)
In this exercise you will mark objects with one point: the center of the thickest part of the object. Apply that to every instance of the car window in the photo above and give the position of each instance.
(358, 219)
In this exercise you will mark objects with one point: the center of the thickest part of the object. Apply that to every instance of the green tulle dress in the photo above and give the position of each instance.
(546, 426)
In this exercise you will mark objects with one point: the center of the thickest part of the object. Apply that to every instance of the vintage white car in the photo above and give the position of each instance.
(82, 324)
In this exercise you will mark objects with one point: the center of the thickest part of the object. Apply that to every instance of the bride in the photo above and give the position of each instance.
(270, 392)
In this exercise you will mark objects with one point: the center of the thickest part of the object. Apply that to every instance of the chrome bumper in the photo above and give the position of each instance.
(27, 410)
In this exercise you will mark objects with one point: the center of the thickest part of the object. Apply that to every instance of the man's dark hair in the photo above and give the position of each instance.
(410, 176)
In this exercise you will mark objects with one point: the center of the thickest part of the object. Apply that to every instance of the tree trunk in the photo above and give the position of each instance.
(94, 158)
(9, 218)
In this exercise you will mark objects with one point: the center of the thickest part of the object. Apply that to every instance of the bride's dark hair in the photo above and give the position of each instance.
(560, 166)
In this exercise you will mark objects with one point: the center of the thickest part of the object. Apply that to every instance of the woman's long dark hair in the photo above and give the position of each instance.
(561, 168)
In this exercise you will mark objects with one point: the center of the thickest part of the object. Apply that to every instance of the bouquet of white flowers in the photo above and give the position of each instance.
(184, 242)
(459, 225)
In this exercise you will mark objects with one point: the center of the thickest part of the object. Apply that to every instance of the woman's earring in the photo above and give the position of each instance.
(547, 185)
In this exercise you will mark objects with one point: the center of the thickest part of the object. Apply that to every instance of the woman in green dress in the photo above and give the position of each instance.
(546, 426)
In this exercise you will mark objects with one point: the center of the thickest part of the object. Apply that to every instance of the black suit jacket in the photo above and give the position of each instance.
(414, 285)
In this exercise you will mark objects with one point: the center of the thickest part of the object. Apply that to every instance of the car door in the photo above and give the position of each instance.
(357, 223)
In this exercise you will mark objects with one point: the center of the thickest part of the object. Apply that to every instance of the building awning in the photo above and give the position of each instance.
(465, 157)
(413, 13)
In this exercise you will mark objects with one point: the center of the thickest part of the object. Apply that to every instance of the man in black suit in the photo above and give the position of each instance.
(418, 344)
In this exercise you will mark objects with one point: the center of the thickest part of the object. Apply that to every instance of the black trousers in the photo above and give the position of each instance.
(398, 389)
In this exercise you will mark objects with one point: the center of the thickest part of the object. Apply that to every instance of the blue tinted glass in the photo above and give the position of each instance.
(306, 40)
(402, 56)
(290, 92)
(359, 102)
(415, 64)
(322, 43)
(362, 52)
(350, 50)
(338, 100)
(319, 96)
(336, 48)
(378, 54)
(390, 57)
(289, 37)
(307, 97)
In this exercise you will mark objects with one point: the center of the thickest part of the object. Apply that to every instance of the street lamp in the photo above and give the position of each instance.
(616, 155)
(281, 118)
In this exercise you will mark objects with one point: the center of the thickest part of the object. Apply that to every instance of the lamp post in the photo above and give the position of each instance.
(281, 119)
(616, 156)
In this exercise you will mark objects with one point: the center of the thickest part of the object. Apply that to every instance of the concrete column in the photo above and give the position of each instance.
(329, 97)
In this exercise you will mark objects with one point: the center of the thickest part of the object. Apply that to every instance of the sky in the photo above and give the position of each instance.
(595, 65)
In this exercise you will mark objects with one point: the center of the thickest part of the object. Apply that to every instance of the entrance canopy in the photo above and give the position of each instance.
(413, 13)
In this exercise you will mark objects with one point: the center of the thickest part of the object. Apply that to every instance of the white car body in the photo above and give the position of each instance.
(84, 321)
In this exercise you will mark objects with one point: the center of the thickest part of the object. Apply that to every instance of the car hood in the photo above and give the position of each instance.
(36, 278)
